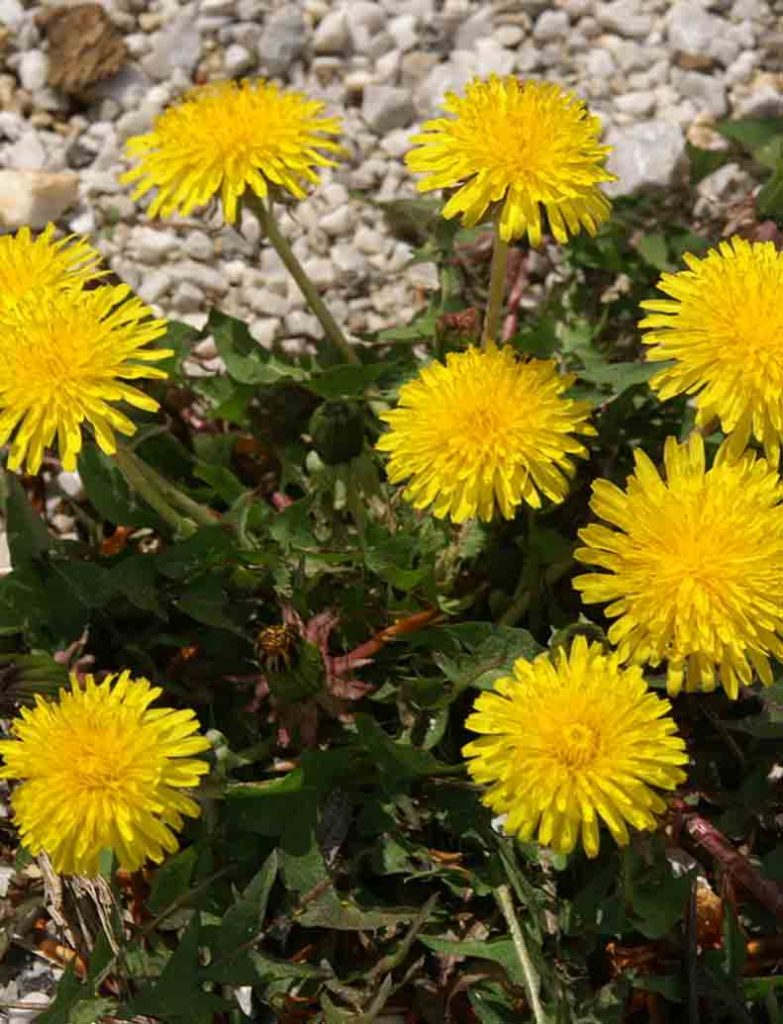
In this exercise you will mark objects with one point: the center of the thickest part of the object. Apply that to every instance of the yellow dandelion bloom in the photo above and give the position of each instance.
(693, 566)
(723, 326)
(100, 769)
(30, 264)
(486, 430)
(571, 740)
(528, 145)
(64, 360)
(222, 138)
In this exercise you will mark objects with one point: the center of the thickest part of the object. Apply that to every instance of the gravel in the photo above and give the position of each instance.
(656, 72)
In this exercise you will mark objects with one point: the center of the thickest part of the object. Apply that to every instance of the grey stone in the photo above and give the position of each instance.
(638, 104)
(551, 25)
(625, 18)
(206, 278)
(765, 100)
(237, 59)
(177, 46)
(644, 156)
(724, 185)
(154, 285)
(198, 246)
(332, 35)
(599, 63)
(266, 302)
(321, 272)
(691, 29)
(282, 41)
(27, 153)
(187, 298)
(509, 35)
(707, 92)
(338, 222)
(11, 14)
(403, 30)
(151, 246)
(385, 107)
(71, 485)
(298, 322)
(476, 26)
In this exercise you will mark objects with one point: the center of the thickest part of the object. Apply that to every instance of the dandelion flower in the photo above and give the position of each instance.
(571, 740)
(692, 566)
(723, 325)
(29, 265)
(225, 137)
(528, 145)
(64, 360)
(100, 769)
(486, 430)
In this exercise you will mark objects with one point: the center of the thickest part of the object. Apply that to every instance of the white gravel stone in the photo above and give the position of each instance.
(33, 70)
(707, 92)
(551, 25)
(154, 285)
(339, 222)
(188, 298)
(691, 28)
(208, 278)
(638, 104)
(198, 246)
(644, 155)
(237, 59)
(332, 35)
(321, 272)
(71, 485)
(282, 41)
(35, 197)
(177, 46)
(624, 17)
(386, 107)
(152, 246)
(404, 31)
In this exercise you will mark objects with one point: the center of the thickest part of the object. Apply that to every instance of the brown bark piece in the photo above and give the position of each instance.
(84, 48)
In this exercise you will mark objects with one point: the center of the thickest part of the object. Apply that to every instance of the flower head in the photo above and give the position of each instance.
(485, 430)
(723, 325)
(570, 740)
(693, 566)
(28, 264)
(225, 137)
(523, 143)
(64, 359)
(100, 769)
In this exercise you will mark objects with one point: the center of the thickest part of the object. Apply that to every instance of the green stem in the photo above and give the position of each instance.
(506, 904)
(297, 271)
(497, 288)
(193, 509)
(128, 465)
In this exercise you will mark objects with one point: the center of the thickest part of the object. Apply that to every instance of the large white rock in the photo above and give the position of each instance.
(35, 197)
(644, 156)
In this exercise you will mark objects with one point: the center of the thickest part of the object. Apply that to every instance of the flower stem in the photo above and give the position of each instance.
(128, 464)
(269, 226)
(506, 904)
(199, 513)
(497, 287)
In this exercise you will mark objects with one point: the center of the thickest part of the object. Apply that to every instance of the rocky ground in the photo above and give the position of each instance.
(656, 72)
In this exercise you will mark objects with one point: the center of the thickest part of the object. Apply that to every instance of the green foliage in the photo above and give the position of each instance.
(344, 866)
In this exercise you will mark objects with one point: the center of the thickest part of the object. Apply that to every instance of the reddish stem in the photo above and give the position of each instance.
(366, 650)
(735, 864)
